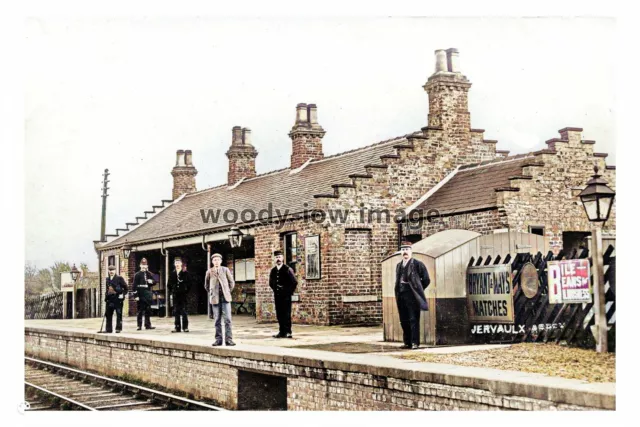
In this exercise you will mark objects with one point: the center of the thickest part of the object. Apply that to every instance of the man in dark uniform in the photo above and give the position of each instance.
(412, 278)
(283, 281)
(179, 286)
(142, 283)
(116, 290)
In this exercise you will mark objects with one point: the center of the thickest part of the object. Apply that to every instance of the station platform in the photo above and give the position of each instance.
(321, 368)
(246, 331)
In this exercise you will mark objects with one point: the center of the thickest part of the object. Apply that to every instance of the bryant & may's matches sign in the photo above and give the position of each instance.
(489, 294)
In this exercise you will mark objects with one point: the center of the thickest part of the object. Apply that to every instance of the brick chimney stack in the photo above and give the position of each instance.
(306, 136)
(184, 174)
(448, 92)
(242, 156)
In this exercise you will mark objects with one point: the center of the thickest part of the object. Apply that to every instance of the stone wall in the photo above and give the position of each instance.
(315, 381)
(483, 222)
(312, 303)
(547, 195)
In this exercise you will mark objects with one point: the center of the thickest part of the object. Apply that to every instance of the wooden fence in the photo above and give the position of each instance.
(544, 322)
(48, 306)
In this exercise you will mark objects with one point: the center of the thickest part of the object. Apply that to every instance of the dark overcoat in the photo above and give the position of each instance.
(115, 287)
(418, 279)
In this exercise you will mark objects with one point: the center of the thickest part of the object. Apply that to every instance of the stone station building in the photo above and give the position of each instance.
(447, 172)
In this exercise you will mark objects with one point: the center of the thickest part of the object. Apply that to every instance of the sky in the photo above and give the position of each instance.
(126, 93)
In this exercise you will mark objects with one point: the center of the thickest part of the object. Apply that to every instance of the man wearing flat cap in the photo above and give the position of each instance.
(142, 283)
(179, 285)
(219, 283)
(116, 290)
(283, 281)
(412, 278)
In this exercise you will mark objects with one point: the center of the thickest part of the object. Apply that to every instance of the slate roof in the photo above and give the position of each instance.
(282, 189)
(473, 187)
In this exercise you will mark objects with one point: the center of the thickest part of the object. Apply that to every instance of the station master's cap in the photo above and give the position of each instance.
(405, 244)
(276, 253)
(177, 259)
(111, 267)
(216, 255)
(143, 261)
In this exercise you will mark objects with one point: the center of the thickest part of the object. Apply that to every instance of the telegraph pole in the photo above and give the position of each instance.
(104, 205)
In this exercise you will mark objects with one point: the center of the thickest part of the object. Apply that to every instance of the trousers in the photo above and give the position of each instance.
(180, 310)
(220, 311)
(409, 311)
(144, 309)
(283, 313)
(110, 309)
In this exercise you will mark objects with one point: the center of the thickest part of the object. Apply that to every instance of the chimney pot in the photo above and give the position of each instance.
(180, 158)
(302, 113)
(236, 135)
(453, 60)
(187, 157)
(246, 136)
(312, 111)
(441, 60)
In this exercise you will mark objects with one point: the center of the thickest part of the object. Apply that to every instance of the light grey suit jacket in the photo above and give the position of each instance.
(214, 281)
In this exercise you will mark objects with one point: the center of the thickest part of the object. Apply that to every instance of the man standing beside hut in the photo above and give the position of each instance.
(283, 281)
(179, 286)
(142, 283)
(412, 278)
(219, 283)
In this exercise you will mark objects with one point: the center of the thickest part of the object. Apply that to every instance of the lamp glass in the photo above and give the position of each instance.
(591, 207)
(235, 237)
(604, 204)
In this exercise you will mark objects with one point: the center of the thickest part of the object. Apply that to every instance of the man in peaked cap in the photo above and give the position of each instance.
(283, 281)
(219, 283)
(412, 278)
(142, 283)
(179, 286)
(114, 298)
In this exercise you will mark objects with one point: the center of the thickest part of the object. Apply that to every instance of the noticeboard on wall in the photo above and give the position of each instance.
(312, 257)
(244, 270)
(490, 294)
(569, 281)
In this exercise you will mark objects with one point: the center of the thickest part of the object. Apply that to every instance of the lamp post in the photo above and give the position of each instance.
(597, 199)
(75, 274)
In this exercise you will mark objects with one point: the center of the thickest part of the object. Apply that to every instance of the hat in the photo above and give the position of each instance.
(177, 259)
(276, 253)
(143, 261)
(405, 244)
(111, 267)
(216, 255)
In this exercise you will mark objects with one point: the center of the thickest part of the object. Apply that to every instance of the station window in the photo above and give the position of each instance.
(112, 260)
(536, 229)
(291, 250)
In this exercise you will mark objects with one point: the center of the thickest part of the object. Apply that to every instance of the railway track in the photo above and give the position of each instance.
(86, 391)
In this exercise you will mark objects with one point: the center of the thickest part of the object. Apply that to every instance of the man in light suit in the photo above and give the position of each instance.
(219, 283)
(412, 278)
